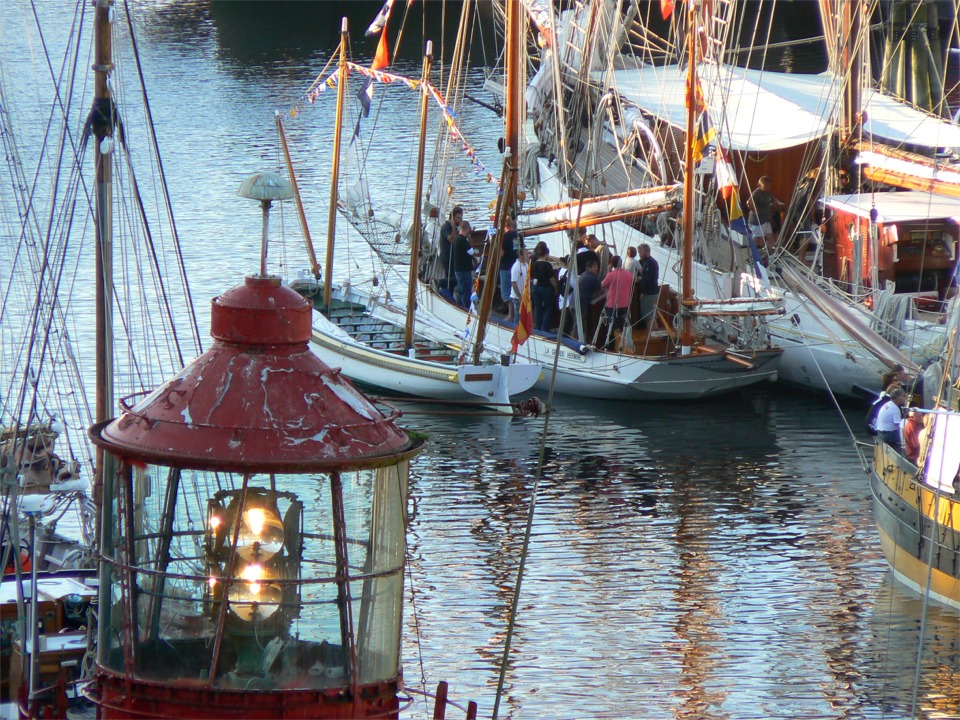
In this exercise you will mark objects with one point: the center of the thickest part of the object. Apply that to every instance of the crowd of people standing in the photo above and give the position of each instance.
(626, 287)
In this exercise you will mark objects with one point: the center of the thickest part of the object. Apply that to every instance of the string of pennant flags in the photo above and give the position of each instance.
(321, 86)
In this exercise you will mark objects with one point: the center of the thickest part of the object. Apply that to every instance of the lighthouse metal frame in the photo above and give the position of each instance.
(258, 546)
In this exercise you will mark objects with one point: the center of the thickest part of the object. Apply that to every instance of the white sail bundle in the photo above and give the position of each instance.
(943, 458)
(597, 210)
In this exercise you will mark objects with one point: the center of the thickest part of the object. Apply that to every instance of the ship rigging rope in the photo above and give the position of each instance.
(187, 297)
(46, 292)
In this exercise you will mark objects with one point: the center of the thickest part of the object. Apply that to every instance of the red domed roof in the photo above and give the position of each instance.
(258, 400)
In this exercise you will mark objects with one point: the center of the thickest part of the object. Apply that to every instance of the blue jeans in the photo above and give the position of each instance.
(505, 285)
(464, 286)
(892, 438)
(543, 303)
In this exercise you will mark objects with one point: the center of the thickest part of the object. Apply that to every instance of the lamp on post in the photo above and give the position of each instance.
(256, 563)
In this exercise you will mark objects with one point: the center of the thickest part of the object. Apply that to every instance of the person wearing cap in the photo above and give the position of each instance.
(890, 417)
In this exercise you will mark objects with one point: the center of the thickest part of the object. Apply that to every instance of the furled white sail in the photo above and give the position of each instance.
(943, 458)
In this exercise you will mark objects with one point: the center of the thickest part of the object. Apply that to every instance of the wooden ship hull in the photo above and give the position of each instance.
(660, 375)
(919, 527)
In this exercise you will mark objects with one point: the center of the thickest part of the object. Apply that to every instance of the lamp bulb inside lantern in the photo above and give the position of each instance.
(254, 600)
(252, 573)
(215, 522)
(261, 535)
(255, 520)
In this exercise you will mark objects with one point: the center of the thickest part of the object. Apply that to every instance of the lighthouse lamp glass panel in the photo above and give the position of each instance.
(274, 581)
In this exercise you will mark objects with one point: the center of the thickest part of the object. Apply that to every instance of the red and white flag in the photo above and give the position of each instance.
(525, 321)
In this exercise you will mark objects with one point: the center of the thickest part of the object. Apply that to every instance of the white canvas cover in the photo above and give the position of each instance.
(760, 110)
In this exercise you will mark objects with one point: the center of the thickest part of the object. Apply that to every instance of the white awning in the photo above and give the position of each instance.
(759, 110)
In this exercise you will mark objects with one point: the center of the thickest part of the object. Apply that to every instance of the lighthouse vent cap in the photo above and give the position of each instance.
(262, 311)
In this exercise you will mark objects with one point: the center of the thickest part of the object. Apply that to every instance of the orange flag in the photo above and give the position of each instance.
(382, 58)
(525, 321)
(666, 8)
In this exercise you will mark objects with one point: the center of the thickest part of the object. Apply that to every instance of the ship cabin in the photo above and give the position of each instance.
(908, 238)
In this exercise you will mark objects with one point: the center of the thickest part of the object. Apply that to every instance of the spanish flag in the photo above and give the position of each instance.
(525, 321)
(705, 135)
(727, 182)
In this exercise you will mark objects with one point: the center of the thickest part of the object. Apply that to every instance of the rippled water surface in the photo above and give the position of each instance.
(716, 561)
(702, 561)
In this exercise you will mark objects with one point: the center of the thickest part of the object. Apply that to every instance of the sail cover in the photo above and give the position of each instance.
(759, 110)
(943, 459)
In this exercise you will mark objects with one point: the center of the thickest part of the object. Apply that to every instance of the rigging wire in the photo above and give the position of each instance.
(187, 297)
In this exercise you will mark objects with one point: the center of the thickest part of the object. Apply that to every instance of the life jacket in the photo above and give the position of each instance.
(25, 566)
(874, 410)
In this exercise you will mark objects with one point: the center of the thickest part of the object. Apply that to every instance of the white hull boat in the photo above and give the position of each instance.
(365, 338)
(606, 375)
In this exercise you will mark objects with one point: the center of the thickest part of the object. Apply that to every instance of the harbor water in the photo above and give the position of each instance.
(713, 560)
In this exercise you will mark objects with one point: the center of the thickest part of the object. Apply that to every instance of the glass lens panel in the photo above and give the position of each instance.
(242, 583)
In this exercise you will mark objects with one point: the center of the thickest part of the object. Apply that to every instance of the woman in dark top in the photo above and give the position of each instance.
(544, 292)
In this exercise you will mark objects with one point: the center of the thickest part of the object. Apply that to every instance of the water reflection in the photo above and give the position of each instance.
(901, 632)
(702, 562)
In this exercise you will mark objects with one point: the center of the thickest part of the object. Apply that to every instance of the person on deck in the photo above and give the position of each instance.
(462, 261)
(508, 257)
(890, 382)
(648, 287)
(618, 284)
(544, 292)
(588, 289)
(912, 427)
(518, 279)
(762, 205)
(603, 253)
(632, 263)
(585, 254)
(444, 260)
(889, 418)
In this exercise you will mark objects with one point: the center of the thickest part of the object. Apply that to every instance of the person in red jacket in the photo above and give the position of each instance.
(912, 427)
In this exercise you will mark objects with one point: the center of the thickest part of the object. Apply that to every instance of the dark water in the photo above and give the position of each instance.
(705, 561)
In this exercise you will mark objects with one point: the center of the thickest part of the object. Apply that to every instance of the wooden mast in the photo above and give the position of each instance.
(852, 64)
(308, 241)
(686, 336)
(335, 173)
(417, 203)
(513, 104)
(102, 120)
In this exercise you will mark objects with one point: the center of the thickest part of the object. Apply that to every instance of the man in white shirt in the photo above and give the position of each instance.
(518, 279)
(890, 417)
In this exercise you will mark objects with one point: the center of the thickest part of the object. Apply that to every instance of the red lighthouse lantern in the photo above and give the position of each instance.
(252, 535)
